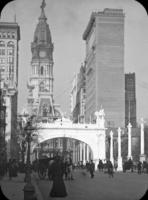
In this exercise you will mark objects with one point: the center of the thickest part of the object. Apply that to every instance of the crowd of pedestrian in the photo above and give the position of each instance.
(60, 169)
(108, 166)
(67, 167)
(90, 167)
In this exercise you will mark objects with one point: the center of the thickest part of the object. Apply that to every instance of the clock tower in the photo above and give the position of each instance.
(40, 84)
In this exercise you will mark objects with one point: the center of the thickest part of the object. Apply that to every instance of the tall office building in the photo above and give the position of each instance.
(104, 38)
(78, 97)
(130, 100)
(40, 84)
(9, 38)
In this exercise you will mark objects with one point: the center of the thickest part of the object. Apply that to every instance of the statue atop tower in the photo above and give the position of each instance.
(40, 84)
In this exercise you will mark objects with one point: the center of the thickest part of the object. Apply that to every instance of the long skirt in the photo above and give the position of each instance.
(58, 188)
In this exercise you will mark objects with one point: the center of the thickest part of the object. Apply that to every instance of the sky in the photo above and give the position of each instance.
(67, 21)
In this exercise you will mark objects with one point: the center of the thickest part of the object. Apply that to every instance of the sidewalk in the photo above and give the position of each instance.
(13, 189)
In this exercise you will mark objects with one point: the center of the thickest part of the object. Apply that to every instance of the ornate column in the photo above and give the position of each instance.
(119, 151)
(111, 147)
(129, 141)
(77, 153)
(87, 151)
(84, 154)
(80, 151)
(73, 153)
(142, 155)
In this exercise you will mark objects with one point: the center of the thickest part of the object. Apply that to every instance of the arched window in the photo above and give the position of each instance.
(2, 43)
(41, 87)
(2, 48)
(42, 70)
(10, 44)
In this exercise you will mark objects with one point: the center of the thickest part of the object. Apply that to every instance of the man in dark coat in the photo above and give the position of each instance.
(139, 166)
(110, 169)
(92, 169)
(58, 187)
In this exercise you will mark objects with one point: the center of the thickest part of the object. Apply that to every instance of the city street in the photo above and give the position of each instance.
(124, 186)
(71, 82)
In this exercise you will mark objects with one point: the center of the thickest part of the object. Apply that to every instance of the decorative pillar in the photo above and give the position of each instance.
(81, 151)
(120, 168)
(84, 154)
(142, 155)
(111, 147)
(77, 153)
(87, 152)
(129, 141)
(73, 152)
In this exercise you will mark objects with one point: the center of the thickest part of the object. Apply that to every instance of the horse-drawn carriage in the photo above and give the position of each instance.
(129, 165)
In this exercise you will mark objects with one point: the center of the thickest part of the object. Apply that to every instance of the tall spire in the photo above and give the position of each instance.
(43, 4)
(42, 10)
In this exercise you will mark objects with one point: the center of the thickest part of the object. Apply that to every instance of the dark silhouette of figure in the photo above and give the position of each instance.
(87, 166)
(139, 166)
(130, 164)
(49, 170)
(110, 169)
(58, 187)
(100, 166)
(92, 169)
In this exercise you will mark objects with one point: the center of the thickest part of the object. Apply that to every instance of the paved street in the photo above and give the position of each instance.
(14, 189)
(124, 186)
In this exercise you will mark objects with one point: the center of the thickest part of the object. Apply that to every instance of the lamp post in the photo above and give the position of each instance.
(29, 190)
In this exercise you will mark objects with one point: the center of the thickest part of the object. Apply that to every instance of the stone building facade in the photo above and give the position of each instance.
(104, 37)
(40, 84)
(78, 93)
(9, 48)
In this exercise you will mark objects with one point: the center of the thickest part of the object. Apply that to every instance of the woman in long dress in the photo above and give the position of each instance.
(58, 188)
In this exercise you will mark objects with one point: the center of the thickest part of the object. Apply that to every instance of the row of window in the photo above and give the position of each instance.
(8, 35)
(8, 44)
(9, 60)
(8, 78)
(8, 68)
(9, 52)
(42, 70)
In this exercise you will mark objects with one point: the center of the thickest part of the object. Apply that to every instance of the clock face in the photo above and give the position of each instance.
(42, 54)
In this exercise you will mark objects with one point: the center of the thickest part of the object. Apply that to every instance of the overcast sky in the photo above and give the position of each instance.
(67, 20)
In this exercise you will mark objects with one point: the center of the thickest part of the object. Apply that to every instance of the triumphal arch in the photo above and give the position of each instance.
(91, 134)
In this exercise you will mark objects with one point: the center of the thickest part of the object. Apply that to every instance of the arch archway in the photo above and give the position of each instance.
(92, 136)
(77, 150)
